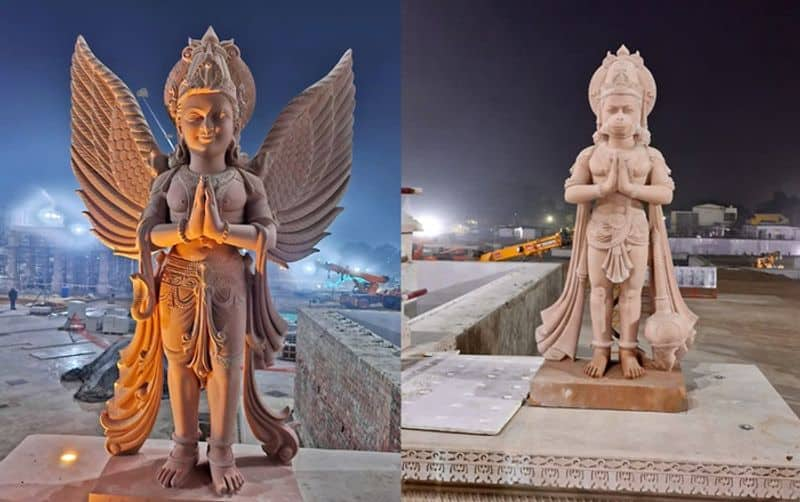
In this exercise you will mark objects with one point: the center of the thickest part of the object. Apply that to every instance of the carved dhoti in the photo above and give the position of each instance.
(614, 232)
(203, 311)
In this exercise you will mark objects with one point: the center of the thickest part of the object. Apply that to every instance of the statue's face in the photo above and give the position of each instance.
(206, 124)
(620, 115)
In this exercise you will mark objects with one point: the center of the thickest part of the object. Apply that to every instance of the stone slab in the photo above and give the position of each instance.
(562, 384)
(738, 439)
(467, 394)
(71, 351)
(34, 470)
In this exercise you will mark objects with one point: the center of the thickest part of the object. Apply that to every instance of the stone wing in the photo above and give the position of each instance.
(111, 149)
(305, 162)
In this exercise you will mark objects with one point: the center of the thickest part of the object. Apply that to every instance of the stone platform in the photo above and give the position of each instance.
(66, 468)
(738, 439)
(562, 384)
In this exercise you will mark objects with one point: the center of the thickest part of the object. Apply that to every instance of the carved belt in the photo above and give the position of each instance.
(613, 232)
(204, 336)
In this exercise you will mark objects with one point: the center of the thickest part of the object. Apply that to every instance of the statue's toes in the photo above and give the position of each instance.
(221, 488)
(239, 480)
(179, 478)
(165, 477)
(234, 481)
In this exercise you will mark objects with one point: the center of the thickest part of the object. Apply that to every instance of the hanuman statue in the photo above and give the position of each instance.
(620, 185)
(203, 301)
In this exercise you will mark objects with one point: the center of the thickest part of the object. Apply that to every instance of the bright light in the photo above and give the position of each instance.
(49, 216)
(68, 457)
(309, 269)
(78, 229)
(357, 269)
(549, 218)
(431, 226)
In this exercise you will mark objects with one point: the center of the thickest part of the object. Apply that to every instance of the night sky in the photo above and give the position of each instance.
(495, 102)
(288, 46)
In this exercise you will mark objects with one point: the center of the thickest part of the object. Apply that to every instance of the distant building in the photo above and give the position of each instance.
(767, 231)
(517, 233)
(711, 215)
(707, 220)
(32, 262)
(683, 223)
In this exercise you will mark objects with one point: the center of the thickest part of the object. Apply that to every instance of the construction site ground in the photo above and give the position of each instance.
(33, 400)
(755, 319)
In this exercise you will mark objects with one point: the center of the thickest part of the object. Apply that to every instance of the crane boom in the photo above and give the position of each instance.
(535, 247)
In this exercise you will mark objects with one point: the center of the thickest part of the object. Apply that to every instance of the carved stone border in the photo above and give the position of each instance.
(601, 474)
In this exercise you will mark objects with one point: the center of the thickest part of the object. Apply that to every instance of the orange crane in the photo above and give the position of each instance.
(365, 289)
(368, 284)
(535, 247)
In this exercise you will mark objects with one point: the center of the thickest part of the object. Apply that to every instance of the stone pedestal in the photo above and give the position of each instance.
(57, 468)
(562, 384)
(737, 439)
(132, 478)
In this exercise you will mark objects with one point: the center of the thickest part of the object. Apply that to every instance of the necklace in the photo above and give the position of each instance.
(218, 180)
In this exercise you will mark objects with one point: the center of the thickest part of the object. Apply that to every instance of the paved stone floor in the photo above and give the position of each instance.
(755, 320)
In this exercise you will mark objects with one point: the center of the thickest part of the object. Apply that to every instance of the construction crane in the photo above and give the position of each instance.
(366, 288)
(535, 247)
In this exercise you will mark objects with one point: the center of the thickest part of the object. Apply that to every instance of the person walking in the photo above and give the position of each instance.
(12, 298)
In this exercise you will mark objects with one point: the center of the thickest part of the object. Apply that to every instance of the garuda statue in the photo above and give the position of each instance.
(188, 218)
(615, 237)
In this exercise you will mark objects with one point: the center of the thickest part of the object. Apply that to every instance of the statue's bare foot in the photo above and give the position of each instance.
(597, 366)
(629, 359)
(225, 477)
(179, 464)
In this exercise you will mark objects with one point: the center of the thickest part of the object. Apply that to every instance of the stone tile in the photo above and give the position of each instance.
(466, 394)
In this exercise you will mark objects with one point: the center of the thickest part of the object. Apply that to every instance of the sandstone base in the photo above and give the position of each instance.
(132, 478)
(563, 384)
(48, 467)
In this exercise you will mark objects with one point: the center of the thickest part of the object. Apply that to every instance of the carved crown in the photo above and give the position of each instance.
(623, 73)
(208, 65)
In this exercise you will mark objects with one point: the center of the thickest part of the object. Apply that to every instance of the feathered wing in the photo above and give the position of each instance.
(111, 149)
(305, 162)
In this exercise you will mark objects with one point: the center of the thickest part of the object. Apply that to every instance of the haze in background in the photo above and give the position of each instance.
(495, 106)
(286, 47)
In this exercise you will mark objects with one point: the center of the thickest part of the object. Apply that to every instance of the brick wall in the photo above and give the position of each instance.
(347, 384)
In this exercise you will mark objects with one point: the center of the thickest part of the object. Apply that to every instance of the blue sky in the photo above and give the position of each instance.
(288, 46)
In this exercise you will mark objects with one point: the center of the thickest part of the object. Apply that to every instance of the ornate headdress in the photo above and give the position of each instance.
(208, 65)
(623, 73)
